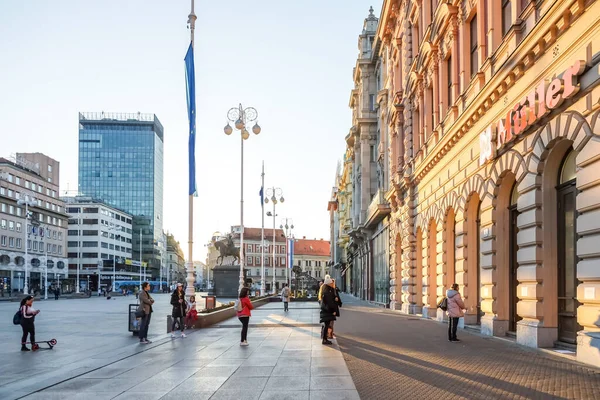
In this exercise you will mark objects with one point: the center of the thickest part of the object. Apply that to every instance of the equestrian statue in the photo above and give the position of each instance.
(227, 248)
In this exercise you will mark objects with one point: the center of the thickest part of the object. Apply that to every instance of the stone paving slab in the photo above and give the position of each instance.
(281, 362)
(392, 356)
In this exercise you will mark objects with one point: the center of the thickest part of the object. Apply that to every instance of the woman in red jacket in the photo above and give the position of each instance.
(244, 315)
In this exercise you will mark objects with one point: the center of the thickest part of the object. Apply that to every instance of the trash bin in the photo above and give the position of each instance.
(210, 302)
(134, 323)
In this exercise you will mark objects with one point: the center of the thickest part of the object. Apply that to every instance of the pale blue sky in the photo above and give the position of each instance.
(291, 60)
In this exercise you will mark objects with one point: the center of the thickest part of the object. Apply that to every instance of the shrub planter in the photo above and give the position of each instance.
(206, 319)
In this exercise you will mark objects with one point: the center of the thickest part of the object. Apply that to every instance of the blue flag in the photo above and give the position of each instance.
(262, 196)
(291, 255)
(190, 80)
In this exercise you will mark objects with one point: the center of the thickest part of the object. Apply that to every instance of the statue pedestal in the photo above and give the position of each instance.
(227, 280)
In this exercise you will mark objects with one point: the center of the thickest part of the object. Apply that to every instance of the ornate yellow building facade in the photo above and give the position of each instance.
(494, 158)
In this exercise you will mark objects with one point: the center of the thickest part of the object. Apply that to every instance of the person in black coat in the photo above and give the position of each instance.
(179, 309)
(329, 308)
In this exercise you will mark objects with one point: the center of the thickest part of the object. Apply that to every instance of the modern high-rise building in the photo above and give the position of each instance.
(121, 163)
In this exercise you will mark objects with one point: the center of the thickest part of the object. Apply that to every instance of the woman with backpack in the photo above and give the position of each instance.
(243, 307)
(28, 314)
(179, 309)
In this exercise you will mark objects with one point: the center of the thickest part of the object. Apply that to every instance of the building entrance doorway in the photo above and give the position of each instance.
(513, 283)
(567, 252)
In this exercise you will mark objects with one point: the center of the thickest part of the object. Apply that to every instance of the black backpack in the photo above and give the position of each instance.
(443, 304)
(18, 317)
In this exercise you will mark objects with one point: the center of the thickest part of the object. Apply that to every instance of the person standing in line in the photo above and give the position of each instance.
(244, 315)
(338, 301)
(285, 297)
(329, 308)
(455, 311)
(28, 314)
(146, 302)
(179, 310)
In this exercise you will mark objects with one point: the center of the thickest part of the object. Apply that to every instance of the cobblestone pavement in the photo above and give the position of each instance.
(394, 356)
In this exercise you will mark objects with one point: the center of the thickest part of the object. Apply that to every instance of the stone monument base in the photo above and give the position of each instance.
(227, 280)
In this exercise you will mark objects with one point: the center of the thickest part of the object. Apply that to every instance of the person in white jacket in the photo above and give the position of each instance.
(455, 311)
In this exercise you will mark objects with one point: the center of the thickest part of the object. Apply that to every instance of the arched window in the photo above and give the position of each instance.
(568, 170)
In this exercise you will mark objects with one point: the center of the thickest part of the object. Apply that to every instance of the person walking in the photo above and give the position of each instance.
(455, 311)
(245, 314)
(28, 314)
(146, 302)
(329, 308)
(285, 297)
(179, 310)
(56, 293)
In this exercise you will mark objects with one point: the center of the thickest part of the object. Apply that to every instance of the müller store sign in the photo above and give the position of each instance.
(538, 103)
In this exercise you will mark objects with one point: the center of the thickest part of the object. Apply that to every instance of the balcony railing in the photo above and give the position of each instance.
(378, 209)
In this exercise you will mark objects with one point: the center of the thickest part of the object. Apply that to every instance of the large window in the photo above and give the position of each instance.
(449, 74)
(473, 41)
(506, 16)
(381, 270)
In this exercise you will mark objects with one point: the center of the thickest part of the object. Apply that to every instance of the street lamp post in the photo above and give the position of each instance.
(240, 117)
(27, 202)
(274, 193)
(141, 259)
(114, 228)
(288, 224)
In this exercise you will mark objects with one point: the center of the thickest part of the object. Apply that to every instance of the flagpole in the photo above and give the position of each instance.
(262, 234)
(190, 289)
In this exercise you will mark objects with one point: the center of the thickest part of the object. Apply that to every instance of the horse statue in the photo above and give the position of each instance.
(227, 248)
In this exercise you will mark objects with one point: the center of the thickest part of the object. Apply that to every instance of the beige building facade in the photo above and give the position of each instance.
(494, 153)
(32, 177)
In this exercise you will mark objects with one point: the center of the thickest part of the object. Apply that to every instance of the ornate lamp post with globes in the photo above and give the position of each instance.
(274, 193)
(288, 224)
(241, 116)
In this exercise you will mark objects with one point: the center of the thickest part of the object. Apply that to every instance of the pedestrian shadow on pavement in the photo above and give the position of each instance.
(447, 380)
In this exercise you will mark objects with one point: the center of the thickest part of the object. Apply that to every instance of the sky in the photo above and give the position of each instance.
(291, 60)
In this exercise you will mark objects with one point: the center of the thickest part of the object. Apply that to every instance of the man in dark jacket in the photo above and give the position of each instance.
(329, 308)
(146, 302)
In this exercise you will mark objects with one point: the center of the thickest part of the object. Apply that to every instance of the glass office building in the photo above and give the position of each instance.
(121, 162)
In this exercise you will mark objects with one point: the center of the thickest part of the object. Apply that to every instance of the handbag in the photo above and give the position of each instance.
(140, 313)
(18, 317)
(443, 304)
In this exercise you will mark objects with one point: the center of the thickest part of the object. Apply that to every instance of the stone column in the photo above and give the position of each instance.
(456, 55)
(441, 270)
(588, 268)
(530, 330)
(436, 90)
(487, 248)
(460, 263)
(395, 240)
(410, 301)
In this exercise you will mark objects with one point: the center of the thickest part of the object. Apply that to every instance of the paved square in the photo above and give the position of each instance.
(97, 356)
